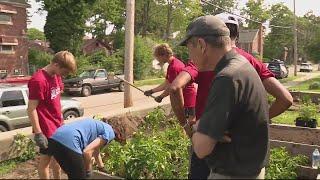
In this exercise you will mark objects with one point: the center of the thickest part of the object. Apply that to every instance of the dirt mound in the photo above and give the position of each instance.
(127, 124)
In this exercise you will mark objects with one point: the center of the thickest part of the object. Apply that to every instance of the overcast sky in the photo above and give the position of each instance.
(302, 6)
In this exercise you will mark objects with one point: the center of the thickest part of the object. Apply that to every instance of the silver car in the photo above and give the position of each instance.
(13, 107)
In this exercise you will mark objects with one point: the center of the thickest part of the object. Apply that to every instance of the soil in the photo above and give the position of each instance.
(26, 170)
(127, 125)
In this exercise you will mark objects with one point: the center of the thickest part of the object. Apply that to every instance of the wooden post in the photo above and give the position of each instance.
(129, 49)
(261, 41)
(295, 47)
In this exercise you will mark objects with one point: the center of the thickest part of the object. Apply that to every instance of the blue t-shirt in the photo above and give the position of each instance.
(77, 135)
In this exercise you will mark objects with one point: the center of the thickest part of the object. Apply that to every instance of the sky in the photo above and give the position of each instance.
(302, 6)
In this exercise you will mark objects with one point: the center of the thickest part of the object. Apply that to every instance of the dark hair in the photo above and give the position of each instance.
(234, 31)
(119, 135)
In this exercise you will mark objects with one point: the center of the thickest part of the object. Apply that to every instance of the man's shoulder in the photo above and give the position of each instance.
(235, 65)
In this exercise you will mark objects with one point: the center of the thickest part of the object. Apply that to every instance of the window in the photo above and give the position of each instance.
(6, 49)
(101, 74)
(5, 18)
(12, 98)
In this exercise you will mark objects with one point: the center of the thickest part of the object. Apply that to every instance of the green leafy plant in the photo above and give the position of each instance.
(314, 85)
(159, 154)
(271, 99)
(282, 165)
(25, 147)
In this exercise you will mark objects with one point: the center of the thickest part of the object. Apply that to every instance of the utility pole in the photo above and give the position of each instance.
(295, 48)
(129, 48)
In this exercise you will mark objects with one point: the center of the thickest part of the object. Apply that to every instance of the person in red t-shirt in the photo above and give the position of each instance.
(44, 107)
(198, 167)
(163, 53)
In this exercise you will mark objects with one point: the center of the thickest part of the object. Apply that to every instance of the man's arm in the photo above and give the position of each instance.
(203, 145)
(90, 149)
(33, 115)
(161, 87)
(176, 98)
(98, 159)
(283, 97)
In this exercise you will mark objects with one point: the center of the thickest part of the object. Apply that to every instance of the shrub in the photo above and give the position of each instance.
(308, 111)
(315, 85)
(38, 59)
(282, 165)
(143, 56)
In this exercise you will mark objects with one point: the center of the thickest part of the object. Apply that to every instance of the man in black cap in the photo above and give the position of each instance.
(236, 104)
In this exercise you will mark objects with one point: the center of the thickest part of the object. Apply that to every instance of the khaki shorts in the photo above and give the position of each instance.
(220, 176)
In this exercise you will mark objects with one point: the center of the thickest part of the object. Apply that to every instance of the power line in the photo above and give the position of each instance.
(256, 21)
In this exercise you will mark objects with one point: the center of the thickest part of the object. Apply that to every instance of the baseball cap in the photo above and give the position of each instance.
(228, 18)
(205, 26)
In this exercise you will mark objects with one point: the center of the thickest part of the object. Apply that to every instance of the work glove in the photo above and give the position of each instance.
(148, 93)
(41, 140)
(158, 99)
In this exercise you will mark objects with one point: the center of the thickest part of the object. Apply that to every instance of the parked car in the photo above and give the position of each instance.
(278, 68)
(306, 67)
(13, 107)
(92, 80)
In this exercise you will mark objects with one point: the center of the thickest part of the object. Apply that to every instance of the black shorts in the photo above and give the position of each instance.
(189, 111)
(70, 161)
(43, 151)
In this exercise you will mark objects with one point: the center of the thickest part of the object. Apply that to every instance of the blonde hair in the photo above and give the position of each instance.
(163, 50)
(65, 60)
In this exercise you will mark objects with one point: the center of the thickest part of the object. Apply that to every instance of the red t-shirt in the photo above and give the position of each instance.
(205, 78)
(189, 92)
(47, 90)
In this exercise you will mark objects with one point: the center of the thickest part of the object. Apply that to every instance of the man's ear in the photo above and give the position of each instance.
(202, 44)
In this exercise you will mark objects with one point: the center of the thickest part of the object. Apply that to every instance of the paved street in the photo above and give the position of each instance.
(108, 101)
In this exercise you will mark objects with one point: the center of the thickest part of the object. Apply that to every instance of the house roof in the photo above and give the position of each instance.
(247, 36)
(16, 2)
(87, 42)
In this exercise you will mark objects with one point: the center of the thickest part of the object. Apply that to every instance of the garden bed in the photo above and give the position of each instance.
(158, 148)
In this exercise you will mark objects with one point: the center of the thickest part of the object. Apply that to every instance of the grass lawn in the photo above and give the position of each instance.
(7, 166)
(305, 85)
(291, 78)
(149, 82)
(288, 117)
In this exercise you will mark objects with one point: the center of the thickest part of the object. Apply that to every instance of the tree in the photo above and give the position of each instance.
(163, 17)
(279, 37)
(105, 13)
(65, 24)
(211, 6)
(255, 10)
(35, 34)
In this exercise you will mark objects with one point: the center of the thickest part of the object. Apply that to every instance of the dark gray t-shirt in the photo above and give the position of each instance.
(237, 103)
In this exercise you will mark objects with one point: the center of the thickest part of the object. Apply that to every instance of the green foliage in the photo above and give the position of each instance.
(35, 34)
(65, 24)
(181, 52)
(118, 39)
(154, 155)
(38, 58)
(308, 111)
(315, 85)
(271, 99)
(103, 12)
(279, 38)
(7, 166)
(25, 146)
(209, 9)
(257, 11)
(282, 165)
(162, 18)
(143, 56)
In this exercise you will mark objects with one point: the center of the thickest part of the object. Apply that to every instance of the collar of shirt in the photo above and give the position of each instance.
(225, 60)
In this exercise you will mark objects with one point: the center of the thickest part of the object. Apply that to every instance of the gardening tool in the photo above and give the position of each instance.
(133, 86)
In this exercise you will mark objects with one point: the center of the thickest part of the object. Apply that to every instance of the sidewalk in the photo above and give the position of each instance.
(301, 80)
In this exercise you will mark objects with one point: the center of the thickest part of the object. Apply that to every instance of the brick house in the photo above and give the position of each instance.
(13, 39)
(91, 46)
(249, 41)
